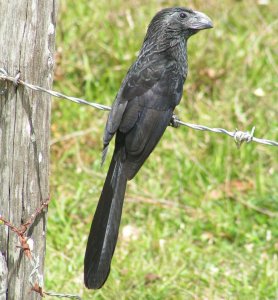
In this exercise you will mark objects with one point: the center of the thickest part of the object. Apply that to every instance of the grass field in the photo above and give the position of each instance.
(200, 219)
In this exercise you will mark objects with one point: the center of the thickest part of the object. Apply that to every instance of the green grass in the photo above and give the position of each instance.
(196, 232)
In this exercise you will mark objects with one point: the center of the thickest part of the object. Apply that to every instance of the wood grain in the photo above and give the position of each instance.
(27, 35)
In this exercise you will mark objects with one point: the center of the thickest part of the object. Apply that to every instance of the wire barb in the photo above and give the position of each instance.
(239, 136)
(27, 245)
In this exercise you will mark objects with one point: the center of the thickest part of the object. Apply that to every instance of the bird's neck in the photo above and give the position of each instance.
(177, 51)
(177, 48)
(174, 47)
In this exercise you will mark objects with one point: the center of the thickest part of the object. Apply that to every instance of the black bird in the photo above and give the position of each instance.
(141, 112)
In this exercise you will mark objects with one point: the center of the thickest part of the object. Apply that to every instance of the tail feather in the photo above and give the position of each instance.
(105, 226)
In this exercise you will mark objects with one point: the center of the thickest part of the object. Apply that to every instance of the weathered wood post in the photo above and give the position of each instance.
(27, 37)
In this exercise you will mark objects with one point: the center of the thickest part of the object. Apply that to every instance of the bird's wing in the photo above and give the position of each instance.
(147, 116)
(144, 136)
(141, 78)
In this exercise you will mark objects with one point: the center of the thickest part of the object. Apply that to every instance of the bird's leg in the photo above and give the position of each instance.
(174, 122)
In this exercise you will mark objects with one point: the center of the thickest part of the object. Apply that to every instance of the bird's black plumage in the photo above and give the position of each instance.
(139, 116)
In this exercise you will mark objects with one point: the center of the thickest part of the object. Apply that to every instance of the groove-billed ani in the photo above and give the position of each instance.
(142, 110)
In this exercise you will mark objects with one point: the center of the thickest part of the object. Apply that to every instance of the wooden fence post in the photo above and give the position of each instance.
(27, 38)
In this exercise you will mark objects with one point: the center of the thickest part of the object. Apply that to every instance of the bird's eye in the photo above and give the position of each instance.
(182, 15)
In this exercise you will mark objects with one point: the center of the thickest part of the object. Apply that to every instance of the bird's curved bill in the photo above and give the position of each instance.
(200, 21)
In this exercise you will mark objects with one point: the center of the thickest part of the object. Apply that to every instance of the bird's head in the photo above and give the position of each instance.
(179, 21)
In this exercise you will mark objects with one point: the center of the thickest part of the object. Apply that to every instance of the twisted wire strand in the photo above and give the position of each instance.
(35, 276)
(58, 295)
(16, 80)
(239, 136)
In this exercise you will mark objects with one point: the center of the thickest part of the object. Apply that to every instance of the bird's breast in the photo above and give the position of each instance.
(165, 94)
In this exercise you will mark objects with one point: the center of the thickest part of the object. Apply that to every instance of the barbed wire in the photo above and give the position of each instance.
(27, 246)
(239, 136)
(69, 296)
(16, 80)
(37, 284)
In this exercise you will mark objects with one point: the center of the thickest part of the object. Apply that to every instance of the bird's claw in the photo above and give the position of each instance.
(174, 122)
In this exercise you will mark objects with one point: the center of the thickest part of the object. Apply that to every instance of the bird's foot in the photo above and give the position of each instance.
(174, 122)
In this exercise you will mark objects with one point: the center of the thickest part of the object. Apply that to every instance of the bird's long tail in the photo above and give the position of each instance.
(105, 226)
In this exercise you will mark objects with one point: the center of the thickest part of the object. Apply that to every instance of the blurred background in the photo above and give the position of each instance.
(200, 218)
